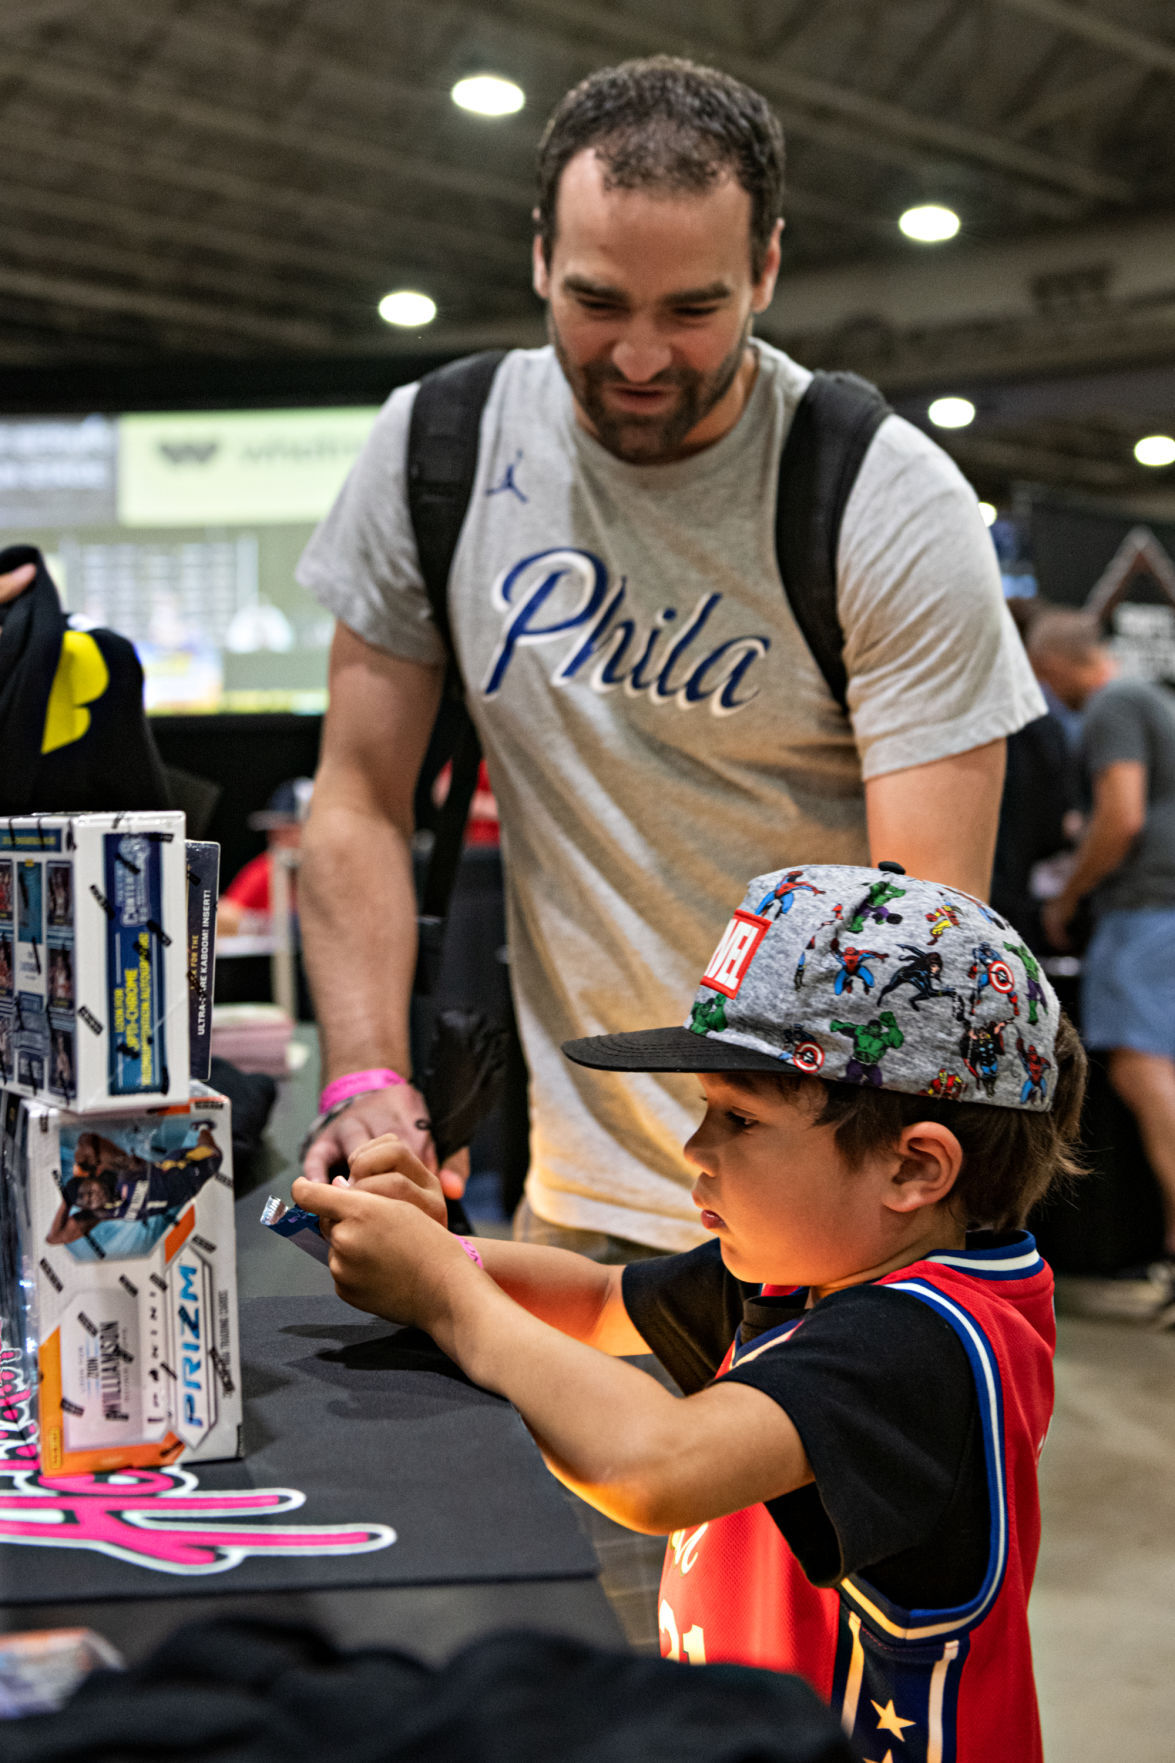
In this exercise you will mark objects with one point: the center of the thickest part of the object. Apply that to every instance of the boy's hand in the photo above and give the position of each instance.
(386, 1256)
(386, 1166)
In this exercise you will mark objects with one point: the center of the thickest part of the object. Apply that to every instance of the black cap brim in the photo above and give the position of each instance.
(667, 1049)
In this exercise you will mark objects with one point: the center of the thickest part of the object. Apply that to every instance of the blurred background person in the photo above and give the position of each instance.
(1125, 868)
(247, 903)
(1039, 809)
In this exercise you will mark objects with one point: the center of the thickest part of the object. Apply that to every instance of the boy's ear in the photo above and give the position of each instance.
(928, 1160)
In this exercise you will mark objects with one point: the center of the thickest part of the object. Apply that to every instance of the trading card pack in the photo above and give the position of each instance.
(118, 1280)
(297, 1226)
(94, 958)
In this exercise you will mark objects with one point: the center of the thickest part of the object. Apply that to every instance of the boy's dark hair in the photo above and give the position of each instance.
(664, 123)
(1011, 1156)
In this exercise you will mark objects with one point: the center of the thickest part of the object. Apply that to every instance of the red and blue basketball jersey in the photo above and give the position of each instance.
(911, 1686)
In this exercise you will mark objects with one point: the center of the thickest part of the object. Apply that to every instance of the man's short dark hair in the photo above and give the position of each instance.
(1063, 633)
(667, 124)
(1011, 1156)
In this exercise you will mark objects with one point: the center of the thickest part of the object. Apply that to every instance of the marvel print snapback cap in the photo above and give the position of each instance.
(862, 976)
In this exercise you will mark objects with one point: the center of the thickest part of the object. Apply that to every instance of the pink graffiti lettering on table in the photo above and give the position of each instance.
(154, 1518)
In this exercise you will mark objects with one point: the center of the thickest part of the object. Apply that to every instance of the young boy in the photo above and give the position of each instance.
(866, 1341)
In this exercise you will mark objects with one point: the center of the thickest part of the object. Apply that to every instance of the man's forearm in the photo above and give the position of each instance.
(357, 910)
(939, 820)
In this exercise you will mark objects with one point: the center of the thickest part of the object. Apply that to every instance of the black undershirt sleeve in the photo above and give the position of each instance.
(688, 1308)
(879, 1388)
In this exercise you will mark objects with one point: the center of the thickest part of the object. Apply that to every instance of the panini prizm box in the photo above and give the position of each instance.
(94, 958)
(118, 1277)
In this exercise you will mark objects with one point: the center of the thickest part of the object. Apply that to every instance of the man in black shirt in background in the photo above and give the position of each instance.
(1125, 864)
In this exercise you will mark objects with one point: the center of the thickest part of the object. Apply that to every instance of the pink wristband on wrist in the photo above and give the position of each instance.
(357, 1083)
(471, 1251)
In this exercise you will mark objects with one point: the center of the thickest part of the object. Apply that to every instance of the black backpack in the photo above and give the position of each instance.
(834, 423)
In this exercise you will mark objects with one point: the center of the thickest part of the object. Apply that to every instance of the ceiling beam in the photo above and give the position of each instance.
(326, 212)
(1086, 95)
(30, 15)
(383, 87)
(349, 262)
(305, 140)
(1028, 460)
(968, 312)
(233, 328)
(166, 308)
(136, 269)
(962, 282)
(786, 84)
(1095, 27)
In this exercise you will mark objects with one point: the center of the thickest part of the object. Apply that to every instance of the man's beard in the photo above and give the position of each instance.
(654, 439)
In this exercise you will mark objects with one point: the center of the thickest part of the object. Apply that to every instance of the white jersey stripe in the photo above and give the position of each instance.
(1010, 1264)
(987, 1388)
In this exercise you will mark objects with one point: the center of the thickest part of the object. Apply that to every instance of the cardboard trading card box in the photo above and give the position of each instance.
(94, 958)
(118, 1276)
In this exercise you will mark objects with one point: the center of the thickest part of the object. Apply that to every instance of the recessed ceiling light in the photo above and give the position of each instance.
(488, 94)
(951, 413)
(406, 307)
(1155, 450)
(989, 512)
(930, 223)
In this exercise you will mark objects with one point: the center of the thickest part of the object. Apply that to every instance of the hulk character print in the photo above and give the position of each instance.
(871, 1041)
(874, 906)
(708, 1016)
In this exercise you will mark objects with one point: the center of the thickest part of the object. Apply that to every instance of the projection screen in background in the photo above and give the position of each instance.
(182, 532)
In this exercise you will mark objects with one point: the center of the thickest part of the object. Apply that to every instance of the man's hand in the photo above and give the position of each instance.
(1055, 918)
(386, 1256)
(16, 581)
(400, 1110)
(386, 1166)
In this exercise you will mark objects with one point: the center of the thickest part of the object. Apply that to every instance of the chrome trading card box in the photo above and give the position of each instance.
(118, 1266)
(93, 959)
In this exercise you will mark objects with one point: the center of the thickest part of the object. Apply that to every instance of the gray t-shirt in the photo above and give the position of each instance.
(1131, 719)
(655, 726)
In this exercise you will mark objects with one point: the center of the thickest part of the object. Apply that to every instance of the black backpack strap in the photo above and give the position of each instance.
(443, 437)
(835, 421)
(443, 440)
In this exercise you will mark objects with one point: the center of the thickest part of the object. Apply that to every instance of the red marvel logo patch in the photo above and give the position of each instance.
(732, 957)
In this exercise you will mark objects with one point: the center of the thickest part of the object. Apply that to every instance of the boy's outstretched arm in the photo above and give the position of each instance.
(653, 1461)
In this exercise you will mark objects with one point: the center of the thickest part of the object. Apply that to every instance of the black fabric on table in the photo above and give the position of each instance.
(374, 1426)
(879, 1388)
(245, 1692)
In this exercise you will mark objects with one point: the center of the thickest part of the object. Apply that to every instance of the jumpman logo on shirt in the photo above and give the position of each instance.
(508, 482)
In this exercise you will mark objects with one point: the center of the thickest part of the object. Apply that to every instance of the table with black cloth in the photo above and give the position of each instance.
(381, 1497)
